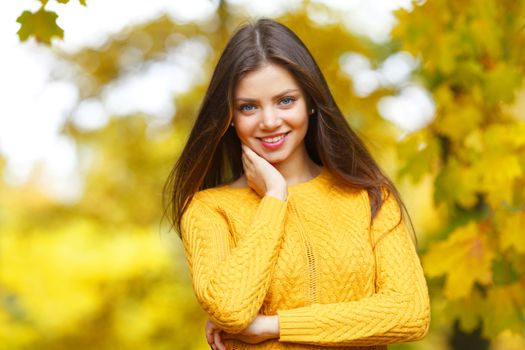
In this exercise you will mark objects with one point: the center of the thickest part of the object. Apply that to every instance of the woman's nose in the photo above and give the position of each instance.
(270, 119)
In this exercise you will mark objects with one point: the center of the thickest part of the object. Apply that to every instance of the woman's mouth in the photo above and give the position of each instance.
(272, 143)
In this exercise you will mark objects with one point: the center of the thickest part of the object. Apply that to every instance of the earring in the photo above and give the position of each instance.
(312, 111)
(231, 124)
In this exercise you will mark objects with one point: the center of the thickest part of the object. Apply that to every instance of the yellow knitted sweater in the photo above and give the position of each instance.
(314, 260)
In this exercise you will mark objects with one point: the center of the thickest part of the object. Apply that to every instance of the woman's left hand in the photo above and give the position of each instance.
(262, 328)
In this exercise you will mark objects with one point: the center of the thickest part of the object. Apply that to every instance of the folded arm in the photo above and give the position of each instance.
(399, 311)
(230, 282)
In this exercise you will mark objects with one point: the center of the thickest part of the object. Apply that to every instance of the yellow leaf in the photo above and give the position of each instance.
(505, 137)
(511, 231)
(457, 120)
(474, 141)
(464, 257)
(497, 173)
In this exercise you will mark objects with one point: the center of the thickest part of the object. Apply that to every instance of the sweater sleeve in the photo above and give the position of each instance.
(230, 281)
(399, 311)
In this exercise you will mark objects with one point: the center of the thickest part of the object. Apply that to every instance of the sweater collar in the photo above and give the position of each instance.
(317, 182)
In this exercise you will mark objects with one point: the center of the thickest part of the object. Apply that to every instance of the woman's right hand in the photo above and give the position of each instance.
(262, 176)
(262, 328)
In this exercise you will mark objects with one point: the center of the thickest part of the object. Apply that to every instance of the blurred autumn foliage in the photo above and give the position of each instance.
(474, 150)
(105, 272)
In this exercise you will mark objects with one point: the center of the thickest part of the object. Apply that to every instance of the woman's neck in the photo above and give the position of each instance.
(298, 167)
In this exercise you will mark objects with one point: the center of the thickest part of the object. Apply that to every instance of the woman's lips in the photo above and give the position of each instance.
(274, 145)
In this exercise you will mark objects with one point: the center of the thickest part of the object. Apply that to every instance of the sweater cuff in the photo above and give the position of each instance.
(297, 324)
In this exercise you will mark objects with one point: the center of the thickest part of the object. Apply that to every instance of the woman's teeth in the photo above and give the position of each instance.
(273, 139)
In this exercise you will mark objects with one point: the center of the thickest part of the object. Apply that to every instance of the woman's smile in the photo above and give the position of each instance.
(273, 143)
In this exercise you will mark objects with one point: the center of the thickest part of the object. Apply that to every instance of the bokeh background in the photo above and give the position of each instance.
(97, 99)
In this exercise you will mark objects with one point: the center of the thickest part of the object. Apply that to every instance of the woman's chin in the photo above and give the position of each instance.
(273, 160)
(271, 157)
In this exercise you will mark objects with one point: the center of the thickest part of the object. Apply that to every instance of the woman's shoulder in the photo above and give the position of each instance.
(345, 199)
(341, 190)
(220, 202)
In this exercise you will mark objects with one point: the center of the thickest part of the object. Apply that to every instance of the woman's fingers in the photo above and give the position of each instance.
(209, 332)
(244, 160)
(250, 154)
(244, 156)
(218, 341)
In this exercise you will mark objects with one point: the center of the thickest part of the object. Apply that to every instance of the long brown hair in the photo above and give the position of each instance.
(212, 154)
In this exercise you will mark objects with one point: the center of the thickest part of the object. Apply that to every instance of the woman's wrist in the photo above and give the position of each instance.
(277, 332)
(277, 194)
(272, 327)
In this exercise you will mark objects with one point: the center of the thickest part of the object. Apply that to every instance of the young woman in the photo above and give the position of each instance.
(293, 235)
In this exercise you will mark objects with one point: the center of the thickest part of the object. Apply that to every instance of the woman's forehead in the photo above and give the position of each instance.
(269, 81)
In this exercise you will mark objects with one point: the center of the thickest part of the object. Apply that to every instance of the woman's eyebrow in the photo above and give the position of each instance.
(278, 95)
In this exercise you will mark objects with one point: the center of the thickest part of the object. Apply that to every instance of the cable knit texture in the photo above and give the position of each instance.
(314, 260)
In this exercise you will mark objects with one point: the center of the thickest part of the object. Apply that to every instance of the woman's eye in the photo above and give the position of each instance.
(249, 108)
(241, 108)
(291, 99)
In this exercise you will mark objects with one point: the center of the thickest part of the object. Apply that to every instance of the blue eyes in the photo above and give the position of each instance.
(241, 108)
(288, 98)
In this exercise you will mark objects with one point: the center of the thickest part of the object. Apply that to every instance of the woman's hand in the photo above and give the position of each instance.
(262, 328)
(213, 336)
(262, 176)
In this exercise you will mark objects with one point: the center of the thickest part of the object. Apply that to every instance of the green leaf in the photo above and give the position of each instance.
(456, 183)
(504, 272)
(467, 310)
(417, 154)
(504, 310)
(41, 25)
(501, 83)
(82, 2)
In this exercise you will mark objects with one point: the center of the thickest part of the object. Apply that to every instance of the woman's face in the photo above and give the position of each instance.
(268, 103)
